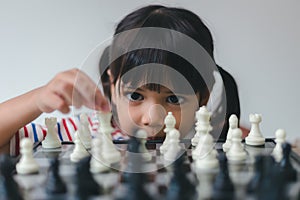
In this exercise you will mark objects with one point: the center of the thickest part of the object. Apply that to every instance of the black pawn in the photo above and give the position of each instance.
(272, 185)
(223, 187)
(286, 168)
(136, 187)
(255, 182)
(133, 158)
(133, 145)
(86, 186)
(180, 188)
(55, 184)
(135, 178)
(9, 189)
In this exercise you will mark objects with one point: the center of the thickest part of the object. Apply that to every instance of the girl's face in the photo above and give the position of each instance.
(141, 108)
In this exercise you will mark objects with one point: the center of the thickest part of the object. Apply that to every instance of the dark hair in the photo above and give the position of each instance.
(177, 19)
(170, 18)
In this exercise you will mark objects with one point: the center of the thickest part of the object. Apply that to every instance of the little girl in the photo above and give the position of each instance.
(160, 60)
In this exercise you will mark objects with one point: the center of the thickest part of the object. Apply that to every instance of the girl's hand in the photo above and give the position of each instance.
(72, 87)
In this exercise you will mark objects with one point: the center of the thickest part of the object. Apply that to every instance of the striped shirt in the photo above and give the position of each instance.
(65, 129)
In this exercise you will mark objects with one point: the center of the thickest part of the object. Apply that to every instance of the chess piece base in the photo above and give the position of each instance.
(253, 141)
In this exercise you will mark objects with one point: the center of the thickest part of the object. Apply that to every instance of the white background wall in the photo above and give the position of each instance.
(256, 41)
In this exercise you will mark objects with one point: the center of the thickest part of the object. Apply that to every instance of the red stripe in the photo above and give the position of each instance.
(17, 137)
(73, 123)
(67, 130)
(116, 132)
(25, 131)
(44, 133)
(89, 119)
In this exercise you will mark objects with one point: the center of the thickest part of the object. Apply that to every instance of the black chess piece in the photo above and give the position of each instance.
(258, 175)
(134, 177)
(136, 187)
(272, 185)
(223, 187)
(86, 186)
(180, 188)
(133, 158)
(133, 144)
(9, 188)
(55, 184)
(286, 168)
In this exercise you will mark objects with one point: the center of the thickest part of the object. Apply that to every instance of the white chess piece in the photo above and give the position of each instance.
(280, 135)
(201, 146)
(170, 123)
(109, 151)
(84, 132)
(207, 157)
(236, 152)
(202, 123)
(174, 147)
(233, 124)
(255, 137)
(51, 140)
(203, 129)
(27, 164)
(79, 151)
(205, 185)
(97, 164)
(142, 134)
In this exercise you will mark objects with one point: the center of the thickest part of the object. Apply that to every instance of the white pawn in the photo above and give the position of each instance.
(236, 152)
(109, 151)
(84, 132)
(202, 122)
(255, 137)
(170, 123)
(142, 134)
(27, 164)
(280, 139)
(79, 151)
(201, 146)
(174, 147)
(51, 140)
(97, 164)
(233, 124)
(207, 157)
(105, 123)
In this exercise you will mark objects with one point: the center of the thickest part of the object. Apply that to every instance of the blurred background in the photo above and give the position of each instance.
(256, 41)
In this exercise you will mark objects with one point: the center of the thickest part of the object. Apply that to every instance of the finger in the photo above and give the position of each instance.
(77, 100)
(101, 103)
(78, 89)
(51, 102)
(91, 94)
(63, 107)
(63, 88)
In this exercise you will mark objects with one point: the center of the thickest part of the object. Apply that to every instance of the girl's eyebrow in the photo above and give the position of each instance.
(141, 89)
(129, 87)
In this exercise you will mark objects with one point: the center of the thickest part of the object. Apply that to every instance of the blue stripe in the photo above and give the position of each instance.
(36, 139)
(59, 132)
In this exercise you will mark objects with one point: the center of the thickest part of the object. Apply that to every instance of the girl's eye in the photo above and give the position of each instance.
(134, 96)
(175, 99)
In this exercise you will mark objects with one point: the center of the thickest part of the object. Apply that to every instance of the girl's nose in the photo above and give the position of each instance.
(154, 115)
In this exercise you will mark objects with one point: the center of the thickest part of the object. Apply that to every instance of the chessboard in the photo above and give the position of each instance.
(157, 178)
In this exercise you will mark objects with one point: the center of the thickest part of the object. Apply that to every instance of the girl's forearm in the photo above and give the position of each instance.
(16, 113)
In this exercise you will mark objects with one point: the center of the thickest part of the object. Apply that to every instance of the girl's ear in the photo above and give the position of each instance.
(111, 78)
